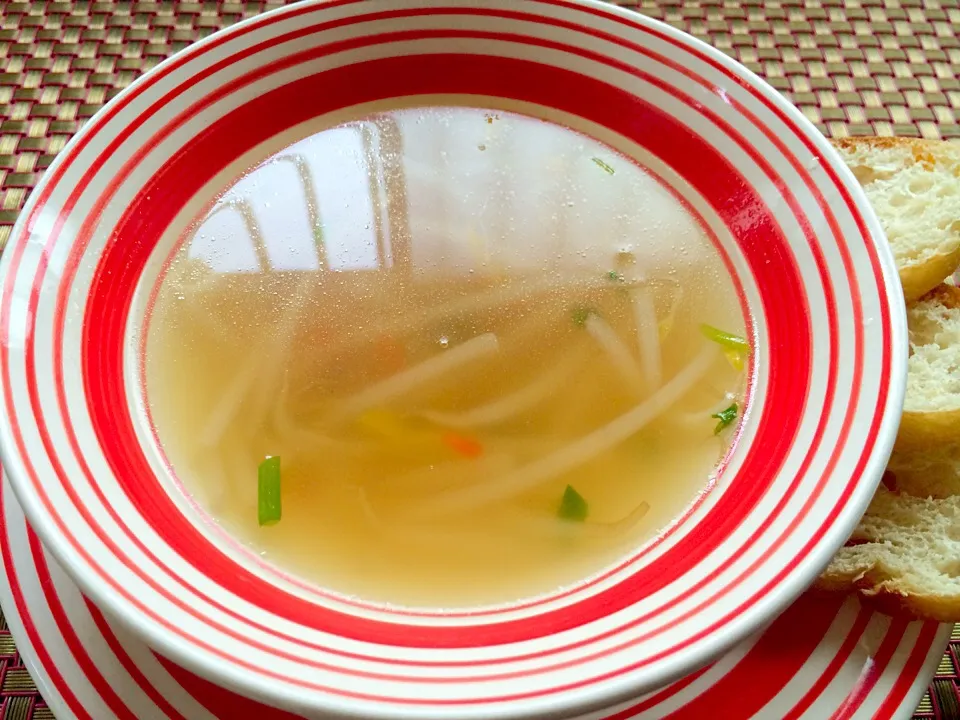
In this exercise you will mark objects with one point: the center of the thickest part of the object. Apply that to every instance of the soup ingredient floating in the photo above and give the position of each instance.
(268, 492)
(573, 506)
(487, 373)
(725, 418)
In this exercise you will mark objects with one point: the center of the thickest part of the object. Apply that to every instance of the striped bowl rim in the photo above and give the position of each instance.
(849, 662)
(813, 274)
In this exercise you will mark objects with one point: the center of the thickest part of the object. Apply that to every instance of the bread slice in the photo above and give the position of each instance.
(914, 187)
(905, 555)
(931, 411)
(932, 472)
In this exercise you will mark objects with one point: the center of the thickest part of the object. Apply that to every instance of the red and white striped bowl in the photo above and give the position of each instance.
(814, 276)
(849, 663)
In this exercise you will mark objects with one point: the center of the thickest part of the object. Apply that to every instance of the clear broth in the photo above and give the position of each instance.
(434, 317)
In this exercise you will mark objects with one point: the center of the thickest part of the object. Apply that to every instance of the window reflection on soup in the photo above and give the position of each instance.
(485, 355)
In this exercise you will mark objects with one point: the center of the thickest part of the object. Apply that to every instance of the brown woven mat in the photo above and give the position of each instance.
(855, 67)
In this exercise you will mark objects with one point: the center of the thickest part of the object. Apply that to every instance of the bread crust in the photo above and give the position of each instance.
(924, 149)
(903, 558)
(918, 280)
(876, 569)
(882, 593)
(946, 295)
(915, 279)
(925, 430)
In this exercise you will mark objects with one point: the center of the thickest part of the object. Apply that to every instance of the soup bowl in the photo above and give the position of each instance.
(809, 261)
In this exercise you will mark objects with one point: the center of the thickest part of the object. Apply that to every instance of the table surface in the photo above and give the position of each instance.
(854, 67)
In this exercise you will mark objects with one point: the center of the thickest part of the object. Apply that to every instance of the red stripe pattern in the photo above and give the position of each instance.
(35, 599)
(813, 280)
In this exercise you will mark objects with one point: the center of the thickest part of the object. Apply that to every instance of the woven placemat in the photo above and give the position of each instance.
(854, 67)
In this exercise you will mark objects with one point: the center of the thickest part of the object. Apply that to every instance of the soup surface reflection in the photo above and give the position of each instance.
(487, 354)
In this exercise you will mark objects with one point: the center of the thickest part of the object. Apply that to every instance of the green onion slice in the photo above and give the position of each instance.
(606, 167)
(572, 506)
(725, 418)
(725, 340)
(268, 491)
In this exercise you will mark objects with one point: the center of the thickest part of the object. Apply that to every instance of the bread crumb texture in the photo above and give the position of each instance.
(908, 549)
(904, 555)
(914, 188)
(933, 379)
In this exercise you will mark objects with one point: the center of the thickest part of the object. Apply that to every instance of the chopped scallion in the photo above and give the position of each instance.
(268, 491)
(725, 339)
(606, 167)
(572, 506)
(616, 276)
(725, 418)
